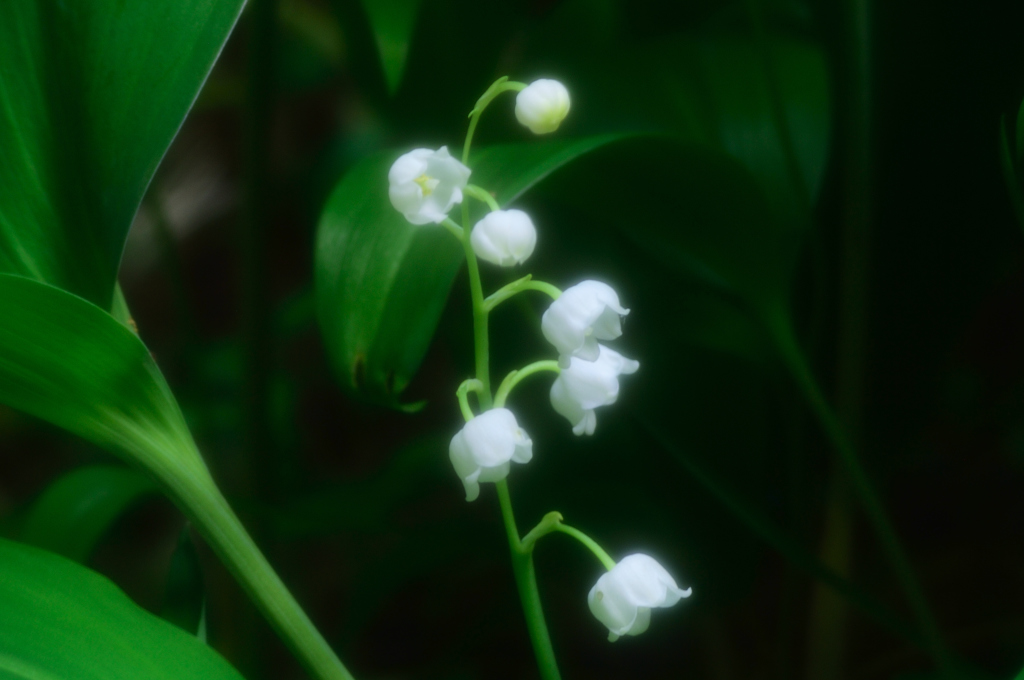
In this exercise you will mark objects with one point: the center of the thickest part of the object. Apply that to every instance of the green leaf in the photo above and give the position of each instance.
(765, 103)
(59, 620)
(185, 595)
(382, 283)
(392, 22)
(91, 94)
(1013, 184)
(74, 512)
(67, 361)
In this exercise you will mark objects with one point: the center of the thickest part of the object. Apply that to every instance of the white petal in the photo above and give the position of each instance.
(610, 604)
(642, 622)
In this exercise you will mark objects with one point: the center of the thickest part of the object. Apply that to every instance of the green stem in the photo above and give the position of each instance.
(481, 343)
(482, 195)
(203, 503)
(552, 522)
(518, 286)
(529, 595)
(455, 229)
(500, 85)
(605, 558)
(783, 335)
(464, 389)
(515, 377)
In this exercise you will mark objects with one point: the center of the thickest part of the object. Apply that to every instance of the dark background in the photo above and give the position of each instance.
(357, 506)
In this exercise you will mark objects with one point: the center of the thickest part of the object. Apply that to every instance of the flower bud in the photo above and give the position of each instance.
(622, 599)
(586, 385)
(504, 237)
(542, 106)
(425, 184)
(481, 450)
(582, 315)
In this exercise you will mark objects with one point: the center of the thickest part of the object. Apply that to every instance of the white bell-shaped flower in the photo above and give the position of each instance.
(623, 598)
(586, 385)
(425, 184)
(481, 450)
(504, 237)
(582, 315)
(542, 106)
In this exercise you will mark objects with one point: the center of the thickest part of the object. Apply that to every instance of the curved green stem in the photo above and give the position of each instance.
(500, 85)
(453, 228)
(598, 551)
(515, 377)
(529, 595)
(782, 333)
(552, 522)
(482, 195)
(518, 286)
(465, 388)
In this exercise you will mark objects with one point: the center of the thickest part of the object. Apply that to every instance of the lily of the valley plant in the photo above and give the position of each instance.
(425, 185)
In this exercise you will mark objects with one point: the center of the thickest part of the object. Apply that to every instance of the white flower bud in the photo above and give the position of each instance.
(542, 106)
(622, 599)
(481, 450)
(582, 315)
(586, 385)
(425, 184)
(504, 237)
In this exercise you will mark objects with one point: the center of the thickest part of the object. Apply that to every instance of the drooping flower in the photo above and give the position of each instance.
(542, 106)
(425, 184)
(622, 599)
(504, 237)
(586, 385)
(582, 315)
(482, 449)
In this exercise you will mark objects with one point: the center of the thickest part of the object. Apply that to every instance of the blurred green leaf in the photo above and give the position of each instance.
(74, 512)
(185, 596)
(60, 620)
(1013, 185)
(365, 504)
(392, 22)
(91, 94)
(1019, 136)
(382, 283)
(763, 102)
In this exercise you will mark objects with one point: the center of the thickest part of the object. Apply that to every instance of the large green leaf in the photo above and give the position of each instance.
(61, 621)
(381, 283)
(67, 361)
(91, 94)
(74, 512)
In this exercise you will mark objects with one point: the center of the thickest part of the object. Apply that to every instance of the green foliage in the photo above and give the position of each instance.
(83, 126)
(382, 283)
(392, 22)
(67, 361)
(74, 512)
(63, 621)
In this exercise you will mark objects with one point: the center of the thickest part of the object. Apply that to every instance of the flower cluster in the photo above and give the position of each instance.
(425, 185)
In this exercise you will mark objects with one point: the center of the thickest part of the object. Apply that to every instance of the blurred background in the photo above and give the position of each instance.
(838, 166)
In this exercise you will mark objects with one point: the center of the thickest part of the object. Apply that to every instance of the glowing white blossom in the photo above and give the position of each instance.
(425, 184)
(542, 106)
(481, 450)
(586, 385)
(504, 237)
(623, 598)
(582, 315)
